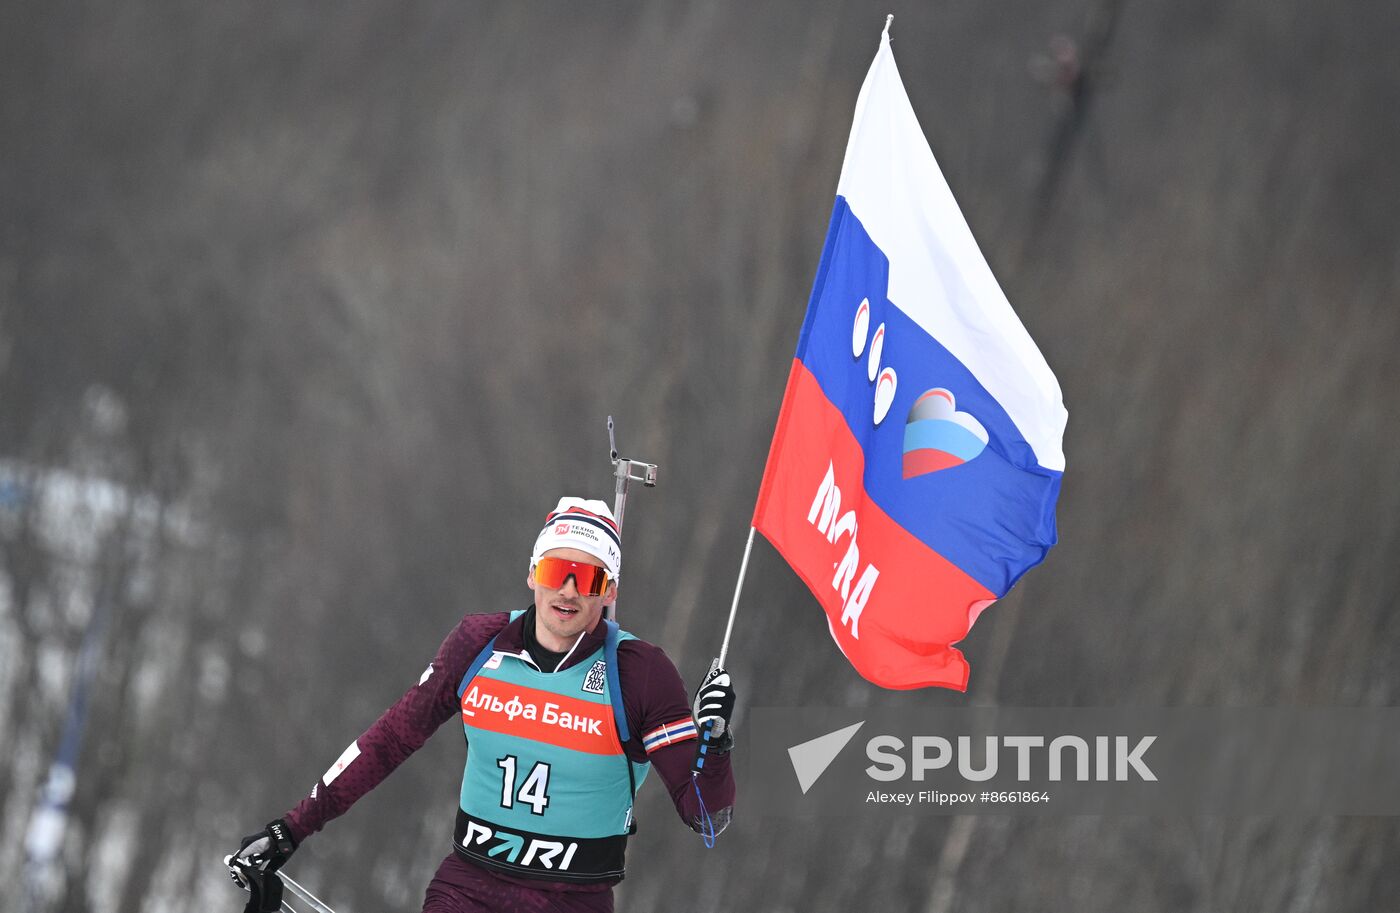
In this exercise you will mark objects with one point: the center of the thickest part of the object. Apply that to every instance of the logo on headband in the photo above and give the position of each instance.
(579, 530)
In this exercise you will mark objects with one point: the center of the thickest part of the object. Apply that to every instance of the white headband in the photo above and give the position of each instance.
(585, 525)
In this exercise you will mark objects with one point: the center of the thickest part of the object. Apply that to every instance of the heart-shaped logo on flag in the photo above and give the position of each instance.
(938, 436)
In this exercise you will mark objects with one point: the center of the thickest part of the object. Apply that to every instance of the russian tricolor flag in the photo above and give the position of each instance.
(917, 457)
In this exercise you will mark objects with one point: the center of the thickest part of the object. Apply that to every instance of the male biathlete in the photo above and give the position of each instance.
(564, 715)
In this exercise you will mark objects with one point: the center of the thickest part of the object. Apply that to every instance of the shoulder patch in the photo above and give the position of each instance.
(596, 681)
(347, 757)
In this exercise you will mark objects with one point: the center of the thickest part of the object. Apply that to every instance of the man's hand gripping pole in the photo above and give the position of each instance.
(265, 889)
(256, 868)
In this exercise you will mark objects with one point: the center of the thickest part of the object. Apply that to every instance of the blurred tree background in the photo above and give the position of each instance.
(309, 312)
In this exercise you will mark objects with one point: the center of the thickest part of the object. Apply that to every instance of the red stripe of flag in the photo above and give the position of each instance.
(920, 604)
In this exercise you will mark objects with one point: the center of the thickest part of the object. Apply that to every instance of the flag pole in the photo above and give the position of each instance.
(702, 746)
(734, 606)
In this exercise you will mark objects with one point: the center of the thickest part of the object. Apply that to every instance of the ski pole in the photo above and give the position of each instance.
(622, 472)
(304, 895)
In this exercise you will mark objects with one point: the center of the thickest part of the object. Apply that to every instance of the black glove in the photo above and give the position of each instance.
(254, 867)
(714, 704)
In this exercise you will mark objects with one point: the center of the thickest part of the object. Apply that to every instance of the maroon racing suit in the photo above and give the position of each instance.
(653, 696)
